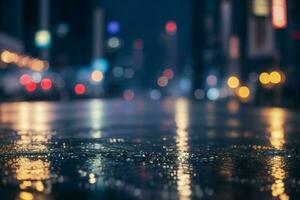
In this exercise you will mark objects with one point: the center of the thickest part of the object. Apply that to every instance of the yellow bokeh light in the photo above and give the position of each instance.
(5, 56)
(264, 78)
(23, 61)
(233, 82)
(97, 76)
(244, 92)
(275, 77)
(43, 38)
(26, 196)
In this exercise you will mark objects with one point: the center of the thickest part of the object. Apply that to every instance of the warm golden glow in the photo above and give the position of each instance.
(25, 116)
(277, 163)
(31, 170)
(32, 123)
(279, 174)
(25, 196)
(183, 171)
(264, 78)
(233, 82)
(97, 76)
(275, 77)
(276, 128)
(243, 92)
(5, 57)
(23, 61)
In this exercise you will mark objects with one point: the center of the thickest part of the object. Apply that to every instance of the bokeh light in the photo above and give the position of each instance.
(213, 94)
(80, 89)
(46, 84)
(36, 77)
(168, 73)
(114, 42)
(30, 87)
(162, 81)
(275, 77)
(243, 92)
(211, 80)
(43, 39)
(113, 27)
(25, 79)
(5, 56)
(264, 78)
(100, 64)
(97, 76)
(233, 82)
(171, 27)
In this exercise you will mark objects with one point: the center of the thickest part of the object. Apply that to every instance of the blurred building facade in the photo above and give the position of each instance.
(240, 38)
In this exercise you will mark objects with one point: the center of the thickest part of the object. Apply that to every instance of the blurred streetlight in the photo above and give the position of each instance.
(43, 39)
(243, 92)
(233, 82)
(275, 77)
(264, 78)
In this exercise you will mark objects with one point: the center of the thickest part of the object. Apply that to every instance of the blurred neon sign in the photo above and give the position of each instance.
(279, 14)
(261, 8)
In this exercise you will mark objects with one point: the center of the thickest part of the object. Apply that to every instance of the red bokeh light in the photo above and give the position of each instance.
(24, 79)
(46, 84)
(128, 95)
(30, 87)
(168, 73)
(171, 27)
(80, 89)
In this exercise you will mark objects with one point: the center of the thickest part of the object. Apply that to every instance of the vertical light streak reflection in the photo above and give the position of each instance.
(183, 171)
(277, 163)
(96, 117)
(34, 130)
(27, 116)
(22, 117)
(31, 120)
(276, 128)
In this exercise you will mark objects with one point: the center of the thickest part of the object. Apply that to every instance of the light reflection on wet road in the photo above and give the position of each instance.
(174, 149)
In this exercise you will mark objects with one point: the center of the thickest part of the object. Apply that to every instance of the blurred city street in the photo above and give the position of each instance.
(181, 99)
(170, 149)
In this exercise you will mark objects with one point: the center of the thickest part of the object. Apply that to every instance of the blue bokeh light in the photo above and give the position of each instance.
(113, 27)
(100, 64)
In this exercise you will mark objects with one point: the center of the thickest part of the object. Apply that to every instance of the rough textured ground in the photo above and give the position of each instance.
(174, 149)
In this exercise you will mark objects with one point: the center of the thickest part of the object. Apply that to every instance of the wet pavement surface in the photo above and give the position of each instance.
(173, 149)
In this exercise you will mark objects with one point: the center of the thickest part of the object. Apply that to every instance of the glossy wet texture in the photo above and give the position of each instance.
(174, 149)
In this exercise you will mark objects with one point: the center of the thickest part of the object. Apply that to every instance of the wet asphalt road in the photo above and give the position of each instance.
(174, 149)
